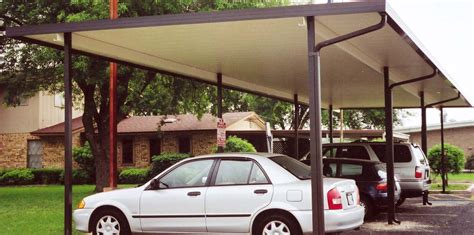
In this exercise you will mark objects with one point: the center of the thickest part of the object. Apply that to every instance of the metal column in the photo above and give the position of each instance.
(297, 124)
(315, 130)
(67, 134)
(389, 152)
(443, 157)
(113, 175)
(424, 142)
(220, 149)
(330, 124)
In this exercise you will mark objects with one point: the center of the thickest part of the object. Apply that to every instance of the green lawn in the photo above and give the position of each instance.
(456, 178)
(36, 209)
(450, 187)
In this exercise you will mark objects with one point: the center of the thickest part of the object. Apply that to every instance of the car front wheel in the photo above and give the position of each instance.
(277, 224)
(110, 222)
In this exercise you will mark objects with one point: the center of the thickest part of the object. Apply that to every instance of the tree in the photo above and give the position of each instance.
(454, 159)
(30, 68)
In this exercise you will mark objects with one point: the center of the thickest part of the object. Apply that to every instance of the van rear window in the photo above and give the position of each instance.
(401, 152)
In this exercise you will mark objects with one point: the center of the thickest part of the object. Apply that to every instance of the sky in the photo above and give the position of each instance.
(445, 30)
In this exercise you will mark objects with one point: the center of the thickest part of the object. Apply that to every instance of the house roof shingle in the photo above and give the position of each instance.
(144, 124)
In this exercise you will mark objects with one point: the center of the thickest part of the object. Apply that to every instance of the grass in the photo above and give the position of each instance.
(450, 187)
(37, 209)
(456, 178)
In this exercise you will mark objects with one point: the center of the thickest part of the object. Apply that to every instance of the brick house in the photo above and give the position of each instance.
(142, 137)
(459, 133)
(18, 148)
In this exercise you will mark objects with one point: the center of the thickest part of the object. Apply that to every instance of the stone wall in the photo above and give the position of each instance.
(53, 150)
(169, 144)
(202, 143)
(13, 150)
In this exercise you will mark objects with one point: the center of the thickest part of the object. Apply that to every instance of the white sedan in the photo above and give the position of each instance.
(259, 193)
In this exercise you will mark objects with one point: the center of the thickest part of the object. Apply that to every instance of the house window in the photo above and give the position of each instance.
(184, 144)
(127, 151)
(35, 154)
(155, 147)
(59, 100)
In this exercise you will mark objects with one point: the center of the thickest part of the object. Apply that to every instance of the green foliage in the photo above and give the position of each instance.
(454, 158)
(134, 175)
(79, 176)
(47, 176)
(16, 177)
(236, 144)
(84, 158)
(165, 160)
(470, 163)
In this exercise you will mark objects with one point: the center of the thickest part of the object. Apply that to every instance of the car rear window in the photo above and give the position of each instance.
(352, 152)
(295, 167)
(401, 152)
(351, 169)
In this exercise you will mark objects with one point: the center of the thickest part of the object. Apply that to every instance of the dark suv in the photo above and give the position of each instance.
(370, 177)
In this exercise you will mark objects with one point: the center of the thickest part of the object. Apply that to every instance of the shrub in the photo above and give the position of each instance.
(84, 158)
(454, 158)
(16, 177)
(236, 144)
(47, 176)
(134, 175)
(79, 176)
(165, 160)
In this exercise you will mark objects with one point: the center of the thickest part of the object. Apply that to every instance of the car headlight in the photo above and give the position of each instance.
(81, 205)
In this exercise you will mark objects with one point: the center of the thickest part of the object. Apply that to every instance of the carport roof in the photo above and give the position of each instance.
(264, 51)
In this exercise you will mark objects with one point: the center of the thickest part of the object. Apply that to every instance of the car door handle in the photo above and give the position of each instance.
(194, 194)
(260, 191)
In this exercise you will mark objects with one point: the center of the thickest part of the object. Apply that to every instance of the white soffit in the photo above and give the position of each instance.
(270, 57)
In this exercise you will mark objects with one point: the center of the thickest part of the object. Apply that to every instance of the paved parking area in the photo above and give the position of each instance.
(449, 214)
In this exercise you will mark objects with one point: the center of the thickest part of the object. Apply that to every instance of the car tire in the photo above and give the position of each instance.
(368, 206)
(111, 221)
(400, 201)
(277, 223)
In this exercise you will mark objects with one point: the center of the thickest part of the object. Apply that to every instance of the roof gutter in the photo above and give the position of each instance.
(444, 101)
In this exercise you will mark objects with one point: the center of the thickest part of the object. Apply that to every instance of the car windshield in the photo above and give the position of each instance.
(293, 166)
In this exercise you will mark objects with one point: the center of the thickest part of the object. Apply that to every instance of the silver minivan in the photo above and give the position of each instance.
(410, 163)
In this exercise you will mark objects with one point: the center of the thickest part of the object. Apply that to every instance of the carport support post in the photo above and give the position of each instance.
(297, 124)
(423, 123)
(330, 124)
(220, 149)
(443, 163)
(389, 147)
(315, 130)
(67, 135)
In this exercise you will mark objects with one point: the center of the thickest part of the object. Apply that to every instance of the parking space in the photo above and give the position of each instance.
(450, 213)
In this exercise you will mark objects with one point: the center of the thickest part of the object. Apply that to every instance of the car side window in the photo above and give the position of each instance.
(353, 152)
(190, 174)
(330, 169)
(351, 170)
(329, 152)
(239, 172)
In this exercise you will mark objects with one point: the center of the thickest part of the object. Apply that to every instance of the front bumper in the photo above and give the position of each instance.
(334, 220)
(81, 219)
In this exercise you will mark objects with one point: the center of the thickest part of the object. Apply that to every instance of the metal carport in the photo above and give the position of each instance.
(271, 52)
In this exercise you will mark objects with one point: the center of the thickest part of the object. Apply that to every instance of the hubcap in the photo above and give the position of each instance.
(276, 228)
(108, 225)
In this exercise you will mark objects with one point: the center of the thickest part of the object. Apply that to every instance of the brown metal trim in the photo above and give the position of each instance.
(203, 17)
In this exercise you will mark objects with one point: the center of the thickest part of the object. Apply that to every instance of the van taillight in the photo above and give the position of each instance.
(418, 172)
(382, 187)
(334, 199)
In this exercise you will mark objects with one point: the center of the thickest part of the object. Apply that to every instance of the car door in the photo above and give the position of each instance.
(239, 188)
(178, 204)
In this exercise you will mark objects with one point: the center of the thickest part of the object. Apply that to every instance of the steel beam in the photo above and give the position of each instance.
(296, 126)
(389, 151)
(67, 134)
(315, 130)
(113, 174)
(443, 157)
(330, 125)
(220, 149)
(424, 138)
